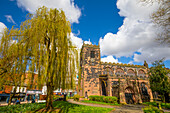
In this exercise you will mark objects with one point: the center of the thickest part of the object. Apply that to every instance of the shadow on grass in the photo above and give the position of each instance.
(64, 106)
(59, 106)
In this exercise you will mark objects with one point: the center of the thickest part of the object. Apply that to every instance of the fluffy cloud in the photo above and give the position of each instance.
(10, 19)
(2, 27)
(78, 42)
(71, 10)
(109, 59)
(137, 34)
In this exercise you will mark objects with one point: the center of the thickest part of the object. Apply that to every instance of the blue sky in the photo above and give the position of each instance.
(123, 28)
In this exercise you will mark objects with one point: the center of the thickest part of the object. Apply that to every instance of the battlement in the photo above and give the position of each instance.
(121, 64)
(91, 45)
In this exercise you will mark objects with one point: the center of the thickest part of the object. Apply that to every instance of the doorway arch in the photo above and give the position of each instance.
(144, 93)
(129, 95)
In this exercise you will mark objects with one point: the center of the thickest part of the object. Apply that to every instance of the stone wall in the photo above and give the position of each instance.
(124, 80)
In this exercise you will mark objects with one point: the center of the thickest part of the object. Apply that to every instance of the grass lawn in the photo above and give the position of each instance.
(96, 102)
(64, 107)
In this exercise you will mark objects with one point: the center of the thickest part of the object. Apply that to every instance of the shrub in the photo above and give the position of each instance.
(92, 98)
(151, 109)
(163, 105)
(76, 97)
(70, 97)
(107, 99)
(166, 105)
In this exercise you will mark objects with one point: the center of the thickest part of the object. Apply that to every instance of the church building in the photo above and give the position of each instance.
(128, 82)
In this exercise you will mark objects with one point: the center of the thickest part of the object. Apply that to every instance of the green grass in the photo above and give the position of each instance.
(96, 102)
(64, 107)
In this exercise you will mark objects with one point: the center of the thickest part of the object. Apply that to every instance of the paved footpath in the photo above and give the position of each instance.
(5, 104)
(129, 109)
(90, 104)
(119, 109)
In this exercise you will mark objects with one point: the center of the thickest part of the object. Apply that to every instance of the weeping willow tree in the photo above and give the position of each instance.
(52, 53)
(13, 59)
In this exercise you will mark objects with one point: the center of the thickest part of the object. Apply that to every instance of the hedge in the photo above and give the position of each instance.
(76, 97)
(107, 99)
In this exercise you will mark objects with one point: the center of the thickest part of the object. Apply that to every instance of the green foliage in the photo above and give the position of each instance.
(163, 105)
(151, 109)
(76, 97)
(150, 103)
(55, 97)
(107, 99)
(159, 80)
(13, 59)
(42, 44)
(64, 107)
(21, 108)
(96, 102)
(53, 55)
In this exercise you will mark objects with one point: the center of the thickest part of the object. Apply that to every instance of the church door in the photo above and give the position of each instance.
(129, 96)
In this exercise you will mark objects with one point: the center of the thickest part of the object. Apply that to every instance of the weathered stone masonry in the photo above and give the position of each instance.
(129, 83)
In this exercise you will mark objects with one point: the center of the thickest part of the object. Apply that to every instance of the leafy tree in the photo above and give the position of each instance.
(52, 53)
(159, 80)
(13, 61)
(42, 44)
(161, 17)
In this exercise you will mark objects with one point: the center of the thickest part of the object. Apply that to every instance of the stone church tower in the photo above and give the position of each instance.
(90, 66)
(129, 83)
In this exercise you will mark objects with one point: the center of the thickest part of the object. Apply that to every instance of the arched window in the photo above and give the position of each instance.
(131, 72)
(105, 72)
(119, 71)
(141, 73)
(92, 54)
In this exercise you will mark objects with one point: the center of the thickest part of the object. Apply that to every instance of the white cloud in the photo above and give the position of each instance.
(130, 62)
(137, 34)
(2, 27)
(78, 42)
(71, 10)
(88, 42)
(10, 19)
(153, 53)
(109, 59)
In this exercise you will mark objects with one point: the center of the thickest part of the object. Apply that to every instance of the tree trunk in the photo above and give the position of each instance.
(12, 95)
(49, 99)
